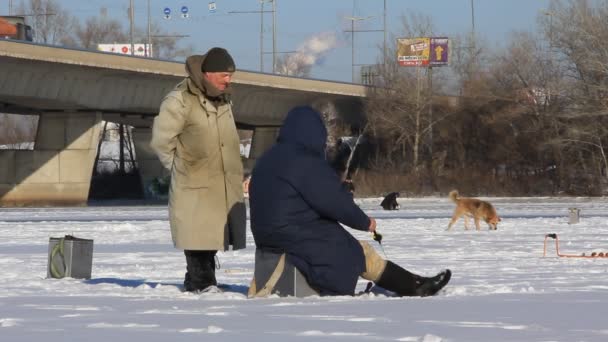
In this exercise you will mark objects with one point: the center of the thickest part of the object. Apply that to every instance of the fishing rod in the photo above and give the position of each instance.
(583, 255)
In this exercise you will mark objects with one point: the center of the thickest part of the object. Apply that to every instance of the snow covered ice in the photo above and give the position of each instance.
(502, 288)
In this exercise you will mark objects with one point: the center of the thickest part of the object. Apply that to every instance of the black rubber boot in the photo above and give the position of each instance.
(404, 283)
(200, 267)
(430, 286)
(399, 280)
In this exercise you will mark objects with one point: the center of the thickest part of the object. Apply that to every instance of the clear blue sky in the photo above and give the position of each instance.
(298, 20)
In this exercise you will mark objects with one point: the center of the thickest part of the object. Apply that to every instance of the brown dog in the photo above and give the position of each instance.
(473, 207)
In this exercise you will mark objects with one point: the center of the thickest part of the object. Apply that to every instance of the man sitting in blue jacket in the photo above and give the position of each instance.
(297, 203)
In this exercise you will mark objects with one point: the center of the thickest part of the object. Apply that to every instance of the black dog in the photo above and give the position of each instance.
(390, 201)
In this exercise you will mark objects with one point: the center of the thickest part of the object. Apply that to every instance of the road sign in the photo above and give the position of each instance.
(212, 7)
(167, 12)
(143, 50)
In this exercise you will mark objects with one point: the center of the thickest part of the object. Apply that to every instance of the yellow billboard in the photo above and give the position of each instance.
(426, 51)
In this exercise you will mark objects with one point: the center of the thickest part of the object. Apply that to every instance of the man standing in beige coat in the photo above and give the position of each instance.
(195, 137)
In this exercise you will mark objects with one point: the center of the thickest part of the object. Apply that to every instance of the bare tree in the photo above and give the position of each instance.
(397, 106)
(164, 44)
(592, 137)
(100, 30)
(54, 25)
(104, 30)
(51, 23)
(577, 32)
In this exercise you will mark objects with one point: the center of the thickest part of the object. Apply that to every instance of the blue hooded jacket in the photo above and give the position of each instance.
(297, 203)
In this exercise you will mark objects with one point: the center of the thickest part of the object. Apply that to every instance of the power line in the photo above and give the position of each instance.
(170, 36)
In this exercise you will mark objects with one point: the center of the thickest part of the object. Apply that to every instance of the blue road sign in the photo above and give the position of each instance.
(184, 9)
(167, 11)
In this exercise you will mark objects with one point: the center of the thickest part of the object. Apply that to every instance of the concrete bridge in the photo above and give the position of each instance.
(72, 91)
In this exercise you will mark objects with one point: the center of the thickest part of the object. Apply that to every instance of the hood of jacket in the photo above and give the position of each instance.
(193, 68)
(304, 127)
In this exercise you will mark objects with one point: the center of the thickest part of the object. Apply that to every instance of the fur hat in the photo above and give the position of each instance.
(218, 60)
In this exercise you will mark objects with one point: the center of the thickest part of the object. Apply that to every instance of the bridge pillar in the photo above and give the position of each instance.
(58, 171)
(148, 163)
(263, 138)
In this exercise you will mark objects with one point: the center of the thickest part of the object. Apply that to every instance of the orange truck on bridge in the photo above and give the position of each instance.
(14, 27)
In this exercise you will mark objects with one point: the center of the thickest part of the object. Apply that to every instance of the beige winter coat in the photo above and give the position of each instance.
(195, 137)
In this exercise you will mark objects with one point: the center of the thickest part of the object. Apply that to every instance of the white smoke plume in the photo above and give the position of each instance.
(308, 54)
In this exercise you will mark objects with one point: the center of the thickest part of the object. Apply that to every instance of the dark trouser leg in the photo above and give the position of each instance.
(200, 267)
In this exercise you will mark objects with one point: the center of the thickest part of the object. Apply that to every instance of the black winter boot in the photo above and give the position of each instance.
(430, 286)
(404, 283)
(399, 280)
(200, 267)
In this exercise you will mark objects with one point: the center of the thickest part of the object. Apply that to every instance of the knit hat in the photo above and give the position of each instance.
(218, 60)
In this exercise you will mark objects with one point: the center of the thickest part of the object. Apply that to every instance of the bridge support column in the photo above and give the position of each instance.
(263, 138)
(58, 171)
(149, 165)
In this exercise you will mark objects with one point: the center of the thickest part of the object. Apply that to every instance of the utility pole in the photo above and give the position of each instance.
(149, 47)
(262, 35)
(473, 25)
(352, 31)
(131, 26)
(10, 7)
(384, 29)
(274, 35)
(548, 98)
(262, 11)
(550, 15)
(352, 57)
(430, 81)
